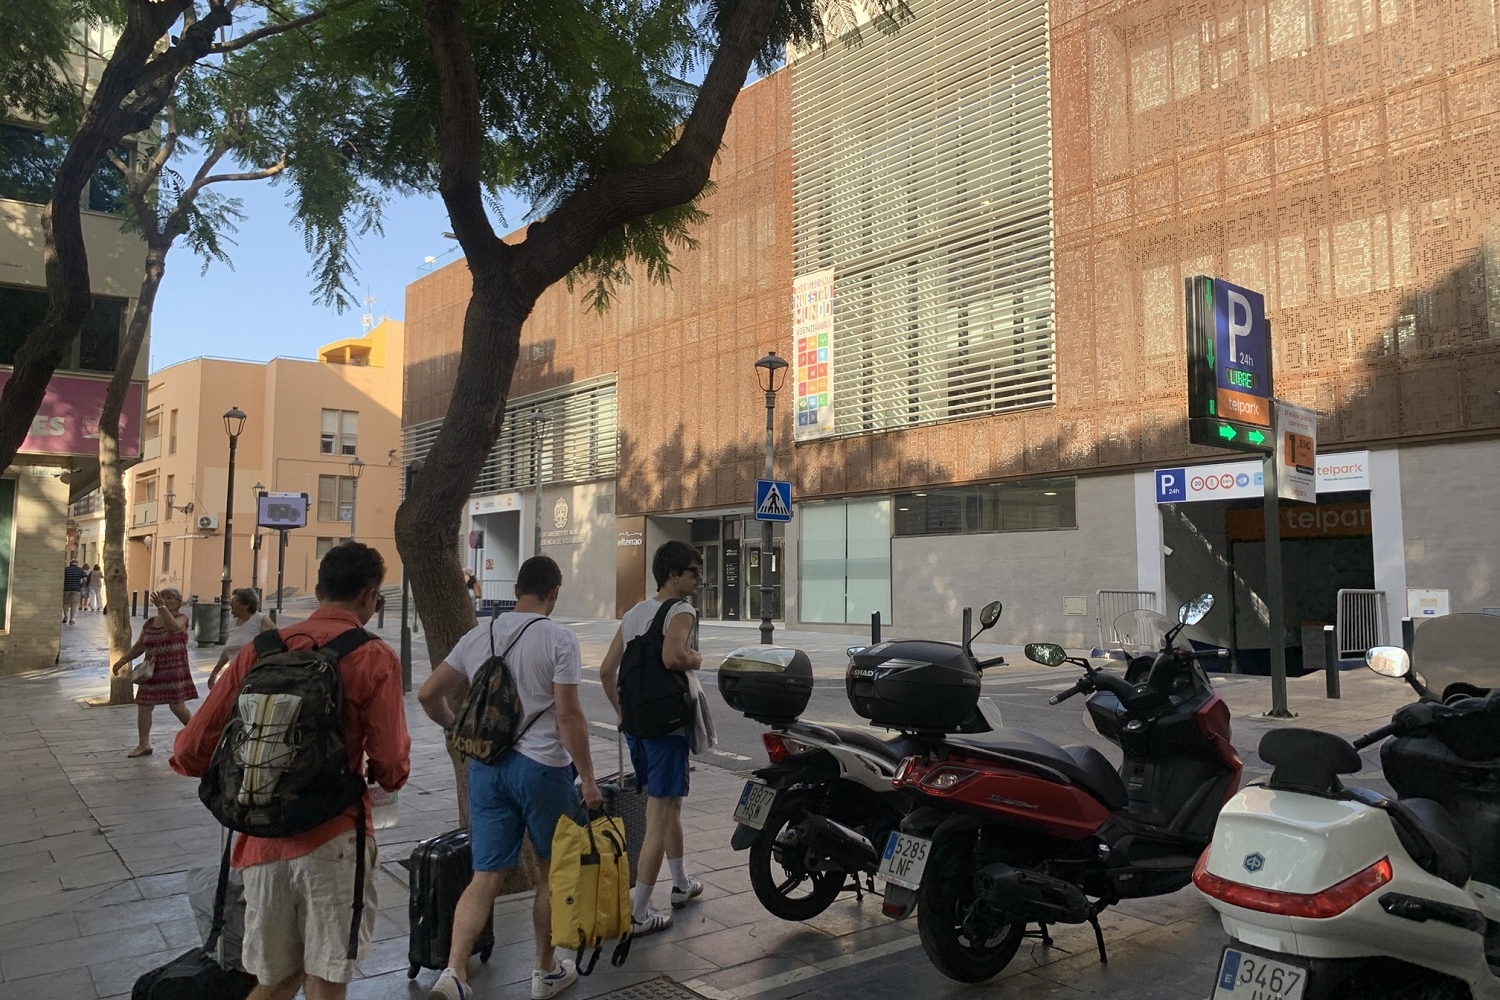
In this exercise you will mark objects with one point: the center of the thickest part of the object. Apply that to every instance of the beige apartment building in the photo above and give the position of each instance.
(59, 460)
(307, 422)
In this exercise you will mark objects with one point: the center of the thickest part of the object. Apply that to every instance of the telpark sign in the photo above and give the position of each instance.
(1337, 472)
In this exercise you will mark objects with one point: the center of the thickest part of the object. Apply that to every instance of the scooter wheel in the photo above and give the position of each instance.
(781, 882)
(964, 939)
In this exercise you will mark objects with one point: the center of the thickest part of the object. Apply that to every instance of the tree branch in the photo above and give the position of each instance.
(557, 244)
(266, 173)
(270, 30)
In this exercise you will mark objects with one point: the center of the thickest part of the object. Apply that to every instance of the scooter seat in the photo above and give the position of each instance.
(893, 749)
(1433, 838)
(1082, 765)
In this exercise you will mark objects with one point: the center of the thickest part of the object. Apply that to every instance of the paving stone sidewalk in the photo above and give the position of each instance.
(95, 851)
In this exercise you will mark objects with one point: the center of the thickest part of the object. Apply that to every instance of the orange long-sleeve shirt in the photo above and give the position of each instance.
(374, 721)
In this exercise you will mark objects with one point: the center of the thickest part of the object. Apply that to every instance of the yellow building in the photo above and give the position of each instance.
(306, 422)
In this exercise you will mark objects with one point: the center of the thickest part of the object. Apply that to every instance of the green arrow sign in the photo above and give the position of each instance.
(1226, 432)
(1256, 437)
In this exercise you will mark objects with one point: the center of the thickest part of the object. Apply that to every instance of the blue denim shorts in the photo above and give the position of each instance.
(661, 764)
(513, 796)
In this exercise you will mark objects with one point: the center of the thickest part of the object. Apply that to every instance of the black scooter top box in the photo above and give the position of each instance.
(913, 684)
(770, 684)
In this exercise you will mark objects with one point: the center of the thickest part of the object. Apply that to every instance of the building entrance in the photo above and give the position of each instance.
(732, 567)
(1220, 546)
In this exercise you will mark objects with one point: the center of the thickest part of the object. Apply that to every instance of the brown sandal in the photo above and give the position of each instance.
(138, 752)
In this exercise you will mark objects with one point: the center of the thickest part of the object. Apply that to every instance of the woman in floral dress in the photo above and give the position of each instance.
(164, 640)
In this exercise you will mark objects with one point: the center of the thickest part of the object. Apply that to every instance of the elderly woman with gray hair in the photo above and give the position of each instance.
(249, 622)
(164, 640)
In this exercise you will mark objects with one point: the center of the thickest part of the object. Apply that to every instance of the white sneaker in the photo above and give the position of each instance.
(448, 987)
(680, 897)
(544, 987)
(655, 921)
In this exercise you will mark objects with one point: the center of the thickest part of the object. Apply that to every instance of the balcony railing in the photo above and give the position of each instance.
(151, 449)
(143, 513)
(91, 504)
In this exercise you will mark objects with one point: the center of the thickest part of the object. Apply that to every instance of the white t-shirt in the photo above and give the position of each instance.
(639, 618)
(241, 635)
(547, 654)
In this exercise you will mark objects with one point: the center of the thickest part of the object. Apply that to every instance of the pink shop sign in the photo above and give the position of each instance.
(68, 421)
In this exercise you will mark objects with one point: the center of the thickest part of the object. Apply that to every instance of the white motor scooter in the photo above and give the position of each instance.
(1331, 891)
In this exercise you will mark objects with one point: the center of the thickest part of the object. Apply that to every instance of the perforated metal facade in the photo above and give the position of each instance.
(922, 178)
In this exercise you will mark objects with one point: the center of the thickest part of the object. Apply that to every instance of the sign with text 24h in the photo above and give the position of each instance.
(1229, 366)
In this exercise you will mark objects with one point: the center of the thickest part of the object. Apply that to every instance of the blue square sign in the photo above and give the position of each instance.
(773, 500)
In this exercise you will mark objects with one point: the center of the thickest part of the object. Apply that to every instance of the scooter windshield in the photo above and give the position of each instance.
(1140, 631)
(1458, 648)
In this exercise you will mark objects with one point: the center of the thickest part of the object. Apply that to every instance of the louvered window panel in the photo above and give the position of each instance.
(578, 444)
(923, 180)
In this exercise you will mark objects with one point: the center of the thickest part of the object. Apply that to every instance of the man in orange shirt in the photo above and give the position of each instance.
(299, 890)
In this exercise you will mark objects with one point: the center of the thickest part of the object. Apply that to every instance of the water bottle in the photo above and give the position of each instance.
(385, 810)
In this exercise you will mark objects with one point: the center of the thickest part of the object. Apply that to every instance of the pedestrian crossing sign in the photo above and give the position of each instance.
(773, 500)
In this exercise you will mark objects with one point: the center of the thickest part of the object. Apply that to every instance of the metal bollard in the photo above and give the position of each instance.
(1331, 660)
(134, 598)
(380, 615)
(875, 628)
(1408, 634)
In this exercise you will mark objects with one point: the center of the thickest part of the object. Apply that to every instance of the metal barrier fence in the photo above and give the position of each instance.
(1363, 621)
(1111, 604)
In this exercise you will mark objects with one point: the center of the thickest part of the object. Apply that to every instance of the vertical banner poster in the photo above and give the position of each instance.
(812, 365)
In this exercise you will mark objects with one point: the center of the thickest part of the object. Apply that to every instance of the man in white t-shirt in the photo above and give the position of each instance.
(661, 763)
(532, 785)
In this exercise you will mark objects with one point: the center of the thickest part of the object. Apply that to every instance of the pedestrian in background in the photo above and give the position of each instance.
(74, 578)
(163, 640)
(96, 589)
(249, 622)
(531, 787)
(661, 763)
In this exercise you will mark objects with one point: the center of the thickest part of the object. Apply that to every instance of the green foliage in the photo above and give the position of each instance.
(37, 39)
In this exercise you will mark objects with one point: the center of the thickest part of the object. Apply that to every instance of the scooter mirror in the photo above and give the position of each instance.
(1196, 610)
(1388, 661)
(990, 614)
(1046, 653)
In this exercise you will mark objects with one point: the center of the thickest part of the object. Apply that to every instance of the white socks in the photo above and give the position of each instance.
(679, 874)
(640, 901)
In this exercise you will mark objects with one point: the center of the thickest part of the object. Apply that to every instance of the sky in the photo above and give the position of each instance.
(265, 308)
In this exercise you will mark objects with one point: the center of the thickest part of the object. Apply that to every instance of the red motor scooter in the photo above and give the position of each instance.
(1013, 830)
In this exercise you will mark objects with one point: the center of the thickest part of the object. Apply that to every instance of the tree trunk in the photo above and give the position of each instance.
(508, 280)
(112, 472)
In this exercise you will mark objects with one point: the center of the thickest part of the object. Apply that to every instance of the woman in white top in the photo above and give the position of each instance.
(244, 606)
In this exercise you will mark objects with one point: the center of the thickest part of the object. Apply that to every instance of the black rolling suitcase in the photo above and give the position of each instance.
(440, 872)
(193, 975)
(624, 798)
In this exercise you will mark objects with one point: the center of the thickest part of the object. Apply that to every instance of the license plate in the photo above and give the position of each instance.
(904, 860)
(1243, 976)
(755, 804)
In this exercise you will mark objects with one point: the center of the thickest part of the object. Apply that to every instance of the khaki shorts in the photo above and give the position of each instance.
(297, 913)
(70, 600)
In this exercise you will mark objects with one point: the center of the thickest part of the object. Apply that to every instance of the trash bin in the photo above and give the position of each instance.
(206, 623)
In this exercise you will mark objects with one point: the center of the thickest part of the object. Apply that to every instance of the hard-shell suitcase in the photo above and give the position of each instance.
(623, 798)
(193, 975)
(440, 872)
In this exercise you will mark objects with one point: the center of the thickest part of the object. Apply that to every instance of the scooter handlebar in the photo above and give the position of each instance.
(1077, 688)
(998, 661)
(1369, 739)
(1209, 654)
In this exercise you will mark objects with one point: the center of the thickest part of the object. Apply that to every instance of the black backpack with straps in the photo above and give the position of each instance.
(282, 764)
(654, 701)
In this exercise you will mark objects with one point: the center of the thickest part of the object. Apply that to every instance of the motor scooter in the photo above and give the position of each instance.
(814, 818)
(1335, 891)
(1013, 830)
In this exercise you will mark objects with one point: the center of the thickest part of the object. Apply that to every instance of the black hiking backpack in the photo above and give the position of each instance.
(282, 764)
(654, 701)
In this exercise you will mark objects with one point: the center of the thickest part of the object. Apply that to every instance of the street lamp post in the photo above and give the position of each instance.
(411, 471)
(539, 419)
(234, 425)
(257, 489)
(356, 469)
(770, 372)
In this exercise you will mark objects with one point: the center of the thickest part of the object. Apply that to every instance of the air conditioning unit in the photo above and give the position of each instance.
(208, 522)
